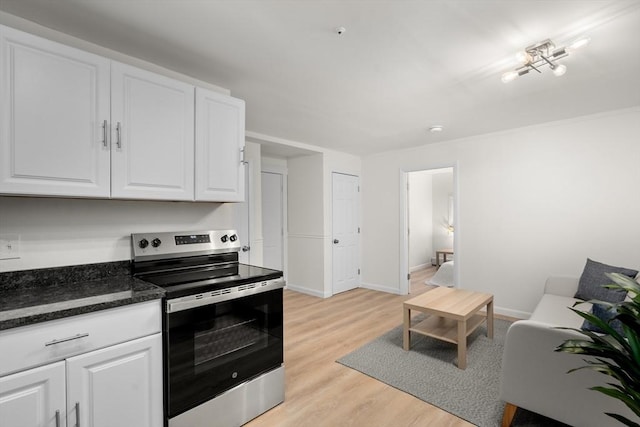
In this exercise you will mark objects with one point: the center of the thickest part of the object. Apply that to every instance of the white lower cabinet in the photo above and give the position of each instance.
(88, 370)
(119, 385)
(34, 398)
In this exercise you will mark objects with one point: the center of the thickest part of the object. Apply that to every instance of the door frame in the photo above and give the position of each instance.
(248, 202)
(280, 170)
(404, 222)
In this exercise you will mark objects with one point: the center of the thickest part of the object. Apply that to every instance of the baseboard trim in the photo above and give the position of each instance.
(512, 313)
(419, 267)
(307, 291)
(381, 288)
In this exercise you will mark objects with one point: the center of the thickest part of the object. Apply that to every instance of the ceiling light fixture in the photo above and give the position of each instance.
(436, 128)
(543, 54)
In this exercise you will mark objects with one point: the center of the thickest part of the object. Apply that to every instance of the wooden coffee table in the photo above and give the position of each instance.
(453, 316)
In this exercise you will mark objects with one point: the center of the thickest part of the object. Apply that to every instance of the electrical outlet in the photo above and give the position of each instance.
(9, 246)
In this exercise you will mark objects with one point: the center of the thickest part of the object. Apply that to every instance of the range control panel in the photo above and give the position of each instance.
(148, 246)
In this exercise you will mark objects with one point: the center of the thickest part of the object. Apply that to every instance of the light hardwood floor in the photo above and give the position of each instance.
(319, 391)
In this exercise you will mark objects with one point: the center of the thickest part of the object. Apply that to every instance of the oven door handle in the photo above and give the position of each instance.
(221, 295)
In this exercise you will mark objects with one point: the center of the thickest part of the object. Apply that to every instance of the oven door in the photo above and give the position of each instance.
(213, 348)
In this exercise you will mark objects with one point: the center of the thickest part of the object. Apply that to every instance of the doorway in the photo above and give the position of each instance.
(428, 200)
(346, 232)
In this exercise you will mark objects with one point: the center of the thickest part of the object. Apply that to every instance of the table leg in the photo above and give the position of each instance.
(490, 319)
(462, 344)
(406, 337)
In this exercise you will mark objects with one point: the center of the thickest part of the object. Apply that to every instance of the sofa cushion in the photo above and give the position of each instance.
(554, 310)
(605, 314)
(593, 279)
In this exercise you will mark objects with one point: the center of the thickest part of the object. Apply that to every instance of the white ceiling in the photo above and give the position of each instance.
(400, 67)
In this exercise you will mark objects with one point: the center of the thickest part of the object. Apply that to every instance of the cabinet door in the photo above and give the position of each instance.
(219, 145)
(152, 135)
(117, 386)
(31, 398)
(54, 103)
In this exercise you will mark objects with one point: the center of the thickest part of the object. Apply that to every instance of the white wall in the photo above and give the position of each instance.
(420, 219)
(533, 202)
(305, 217)
(56, 232)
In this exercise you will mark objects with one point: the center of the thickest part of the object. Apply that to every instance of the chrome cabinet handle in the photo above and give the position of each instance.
(58, 418)
(242, 160)
(336, 241)
(77, 414)
(104, 134)
(75, 337)
(246, 249)
(118, 135)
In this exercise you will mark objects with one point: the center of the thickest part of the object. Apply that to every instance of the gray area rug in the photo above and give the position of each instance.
(428, 372)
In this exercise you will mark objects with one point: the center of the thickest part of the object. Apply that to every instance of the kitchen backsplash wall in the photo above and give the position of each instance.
(56, 232)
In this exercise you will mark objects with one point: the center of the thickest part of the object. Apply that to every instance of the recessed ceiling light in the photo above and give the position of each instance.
(340, 30)
(436, 128)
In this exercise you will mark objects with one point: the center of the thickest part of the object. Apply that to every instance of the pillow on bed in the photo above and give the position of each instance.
(593, 279)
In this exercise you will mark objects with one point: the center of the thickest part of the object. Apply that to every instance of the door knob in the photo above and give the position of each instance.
(336, 241)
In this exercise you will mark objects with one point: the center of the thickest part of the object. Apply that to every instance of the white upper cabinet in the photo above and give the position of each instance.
(54, 109)
(152, 125)
(76, 124)
(219, 147)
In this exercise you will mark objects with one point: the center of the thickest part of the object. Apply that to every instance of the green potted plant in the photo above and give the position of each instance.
(616, 349)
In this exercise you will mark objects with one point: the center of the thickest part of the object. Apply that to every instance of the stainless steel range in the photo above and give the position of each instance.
(223, 334)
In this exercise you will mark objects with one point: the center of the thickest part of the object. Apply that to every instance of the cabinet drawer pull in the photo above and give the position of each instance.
(77, 414)
(104, 134)
(75, 337)
(58, 418)
(242, 160)
(118, 135)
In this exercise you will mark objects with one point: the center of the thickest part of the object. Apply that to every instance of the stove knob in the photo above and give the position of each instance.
(143, 243)
(156, 242)
(224, 238)
(233, 238)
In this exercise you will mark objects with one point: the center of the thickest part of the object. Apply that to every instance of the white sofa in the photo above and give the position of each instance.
(534, 376)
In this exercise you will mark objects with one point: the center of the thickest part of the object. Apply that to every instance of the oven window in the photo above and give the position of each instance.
(213, 348)
(229, 336)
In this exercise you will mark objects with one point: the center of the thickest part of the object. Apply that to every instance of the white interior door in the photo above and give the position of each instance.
(346, 232)
(272, 220)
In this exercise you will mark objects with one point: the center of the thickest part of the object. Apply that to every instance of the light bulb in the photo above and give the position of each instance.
(559, 70)
(509, 76)
(523, 57)
(581, 42)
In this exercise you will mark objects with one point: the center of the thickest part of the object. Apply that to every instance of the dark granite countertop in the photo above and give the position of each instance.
(33, 296)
